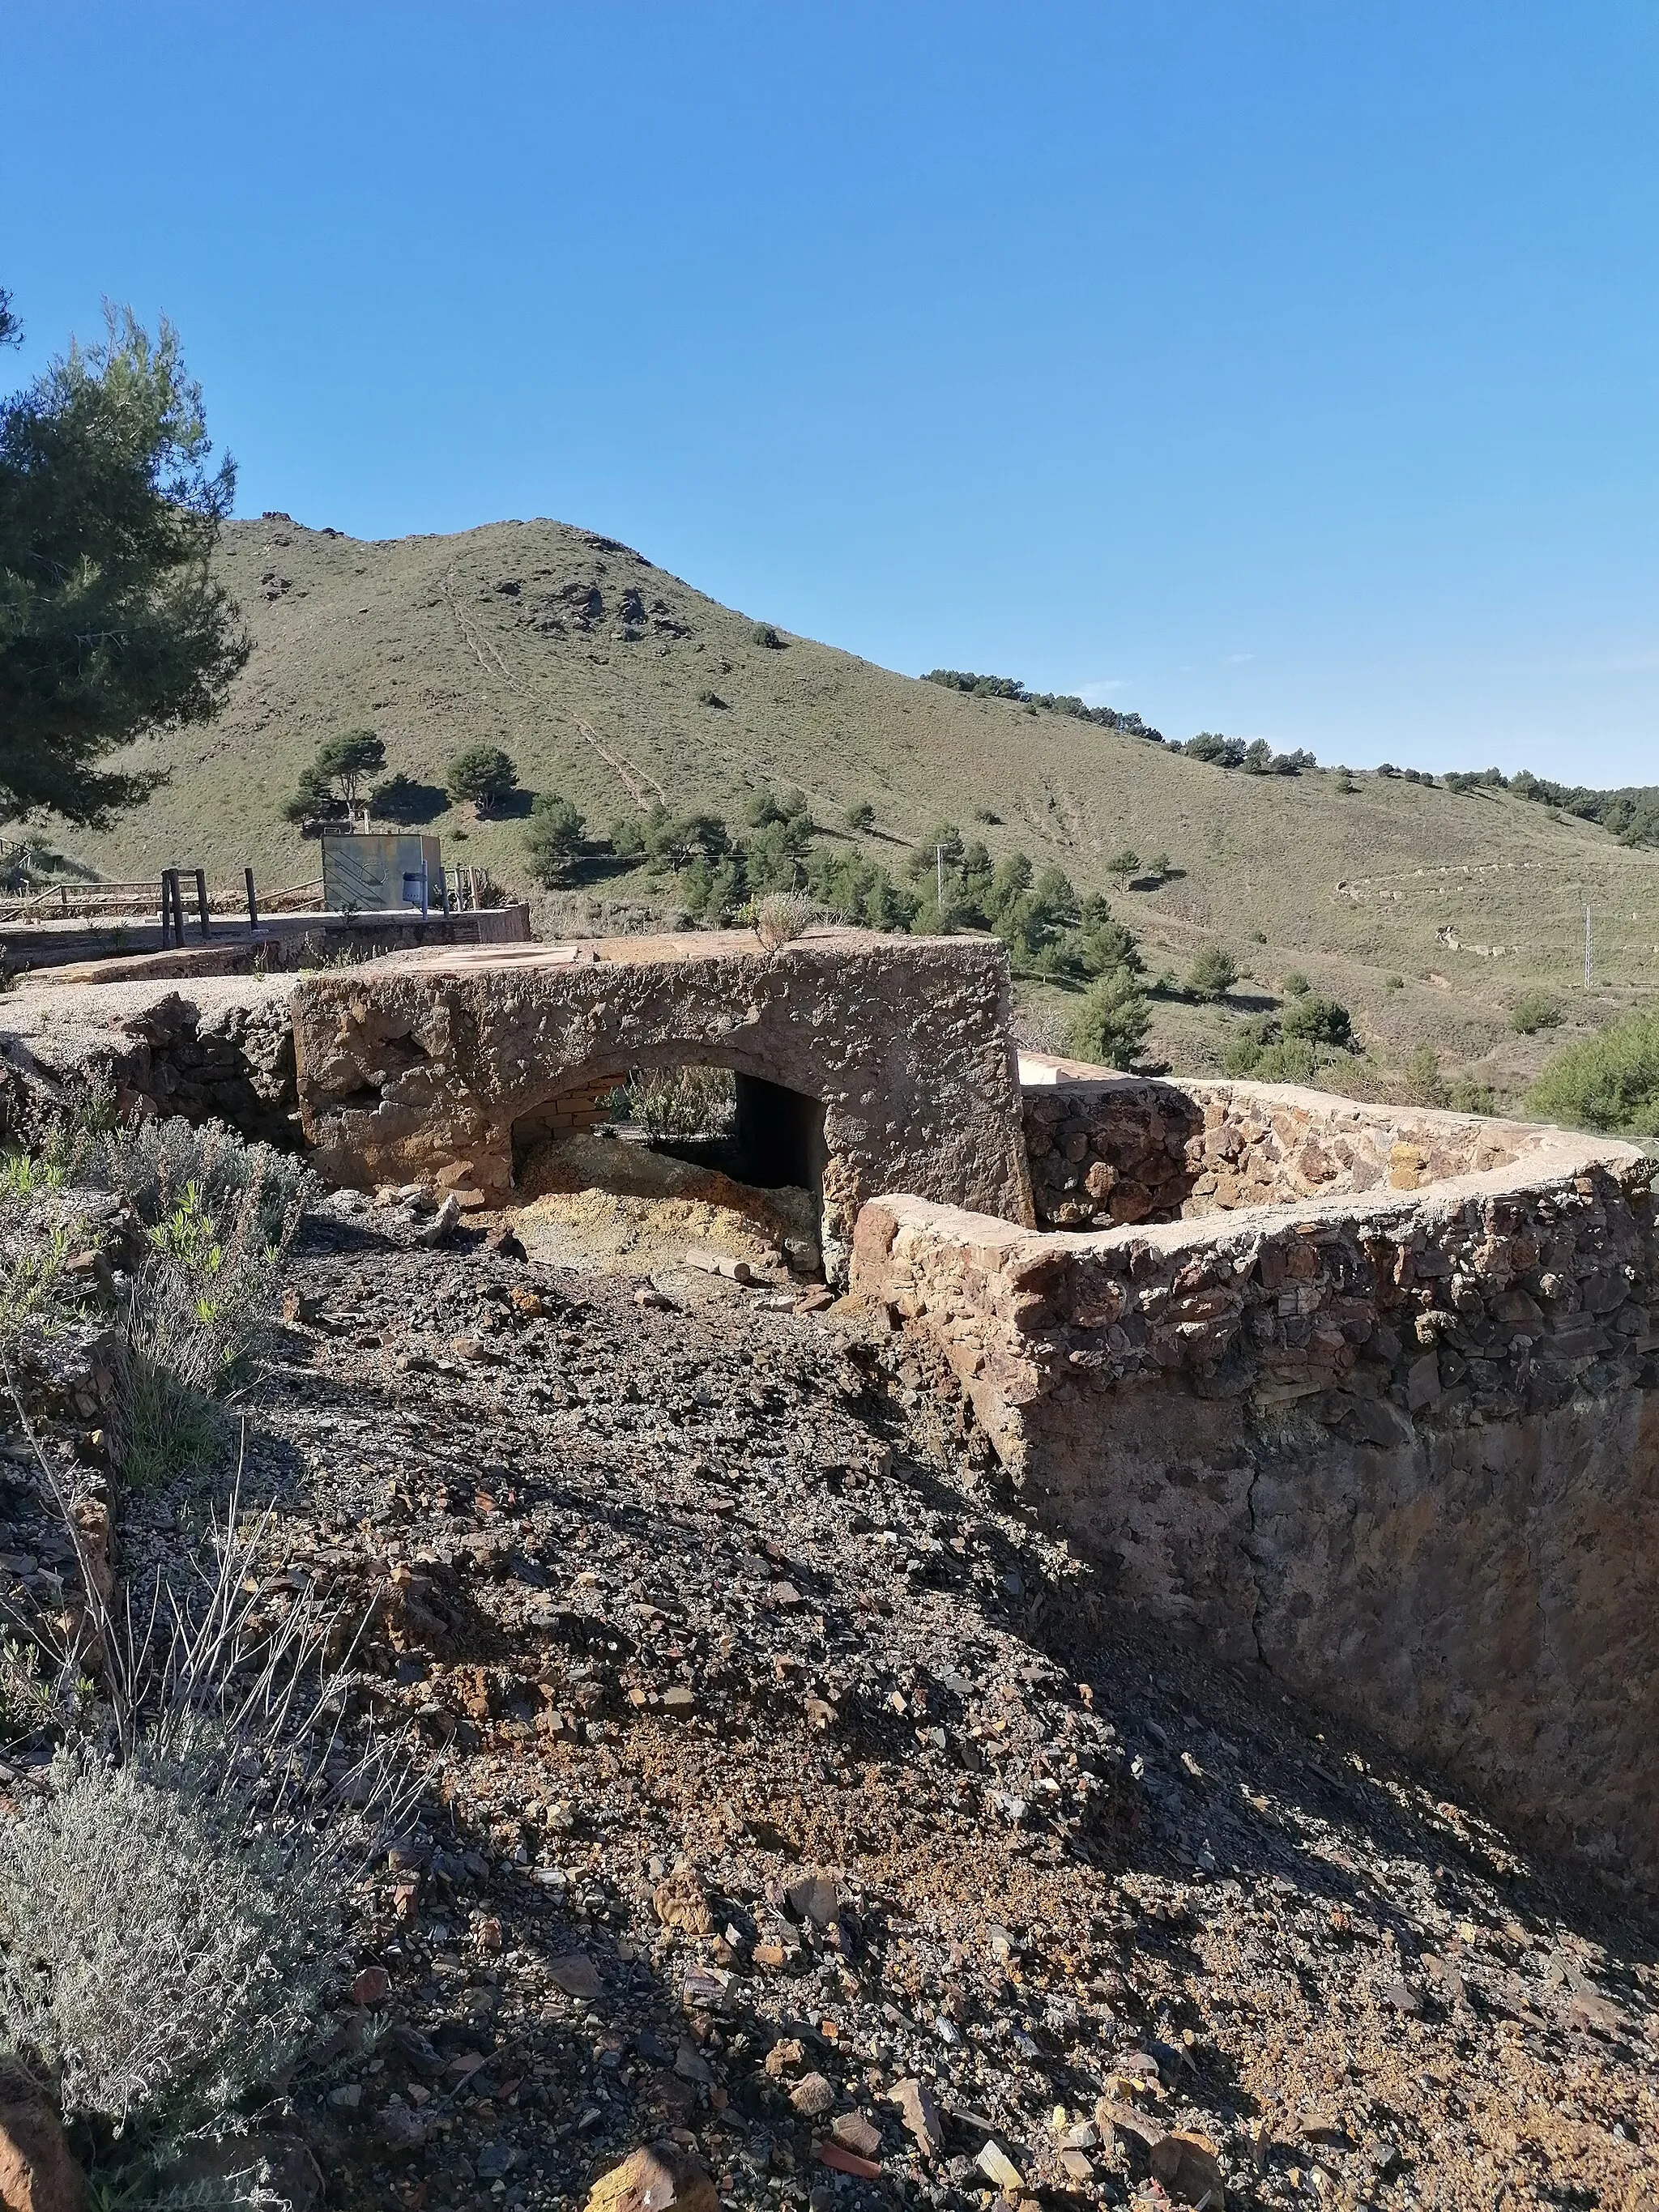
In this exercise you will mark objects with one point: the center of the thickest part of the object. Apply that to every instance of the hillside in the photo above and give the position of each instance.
(593, 670)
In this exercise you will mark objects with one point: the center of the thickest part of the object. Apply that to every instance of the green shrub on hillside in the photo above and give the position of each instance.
(1278, 1059)
(857, 890)
(1630, 814)
(554, 836)
(1319, 1020)
(481, 776)
(1260, 759)
(314, 800)
(399, 798)
(1312, 1034)
(1534, 1011)
(332, 786)
(1037, 914)
(1110, 1025)
(791, 806)
(1212, 974)
(1057, 702)
(1210, 746)
(1468, 1094)
(1296, 985)
(1609, 1083)
(675, 841)
(943, 842)
(1424, 1084)
(714, 891)
(626, 836)
(1102, 945)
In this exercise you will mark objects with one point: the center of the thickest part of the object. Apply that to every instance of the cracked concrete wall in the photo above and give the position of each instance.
(422, 1067)
(1402, 1448)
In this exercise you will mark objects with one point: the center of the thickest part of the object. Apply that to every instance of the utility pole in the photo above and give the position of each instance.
(939, 861)
(1588, 977)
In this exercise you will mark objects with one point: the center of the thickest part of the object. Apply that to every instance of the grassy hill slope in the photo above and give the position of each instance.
(595, 670)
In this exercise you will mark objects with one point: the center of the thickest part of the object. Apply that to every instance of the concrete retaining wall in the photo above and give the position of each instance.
(100, 952)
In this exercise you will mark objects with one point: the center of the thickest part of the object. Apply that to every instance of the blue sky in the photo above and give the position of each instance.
(1288, 370)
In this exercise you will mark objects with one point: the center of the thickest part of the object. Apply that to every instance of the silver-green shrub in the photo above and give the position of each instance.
(169, 1906)
(219, 1214)
(152, 1162)
(160, 1948)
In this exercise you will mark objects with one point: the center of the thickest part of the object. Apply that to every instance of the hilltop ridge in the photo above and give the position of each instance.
(616, 683)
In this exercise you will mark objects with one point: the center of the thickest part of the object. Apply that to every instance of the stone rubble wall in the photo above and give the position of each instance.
(424, 1067)
(1401, 1446)
(223, 1050)
(1123, 1149)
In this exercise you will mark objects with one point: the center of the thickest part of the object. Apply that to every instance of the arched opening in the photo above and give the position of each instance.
(749, 1138)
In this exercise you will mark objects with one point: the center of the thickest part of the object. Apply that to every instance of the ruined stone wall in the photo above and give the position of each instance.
(440, 1065)
(1401, 1446)
(221, 1049)
(1126, 1148)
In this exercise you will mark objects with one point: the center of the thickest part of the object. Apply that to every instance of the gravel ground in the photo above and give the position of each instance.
(792, 1796)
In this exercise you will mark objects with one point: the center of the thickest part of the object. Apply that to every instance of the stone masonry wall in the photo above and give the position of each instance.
(426, 1066)
(1125, 1148)
(1402, 1448)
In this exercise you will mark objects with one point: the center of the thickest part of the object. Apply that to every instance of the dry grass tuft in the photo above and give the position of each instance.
(780, 916)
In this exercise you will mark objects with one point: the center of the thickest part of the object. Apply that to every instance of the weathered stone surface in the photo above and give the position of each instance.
(448, 1065)
(219, 1048)
(1335, 1438)
(1107, 1149)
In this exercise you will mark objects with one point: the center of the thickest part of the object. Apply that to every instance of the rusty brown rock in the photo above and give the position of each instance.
(1186, 2166)
(663, 2178)
(813, 2095)
(919, 2113)
(680, 1902)
(38, 2170)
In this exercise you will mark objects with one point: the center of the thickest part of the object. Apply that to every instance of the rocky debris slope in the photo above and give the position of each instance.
(797, 1805)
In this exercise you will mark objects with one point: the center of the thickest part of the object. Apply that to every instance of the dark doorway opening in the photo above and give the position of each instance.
(777, 1136)
(758, 1148)
(754, 1130)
